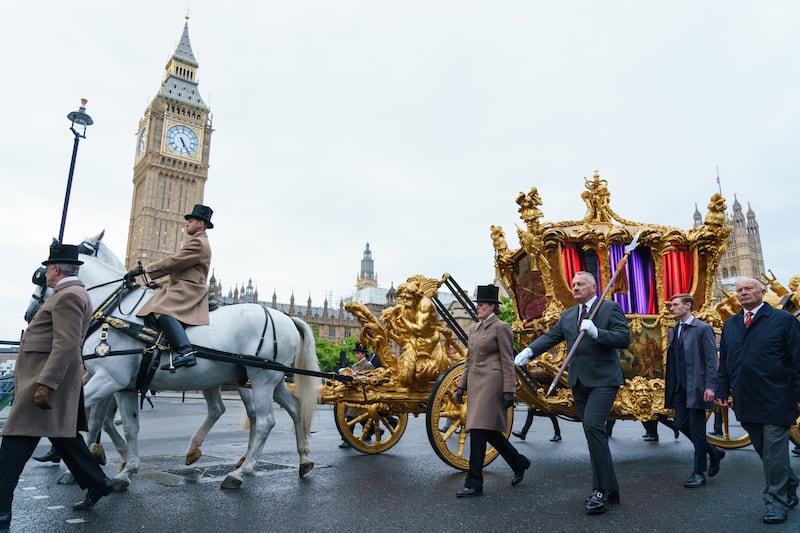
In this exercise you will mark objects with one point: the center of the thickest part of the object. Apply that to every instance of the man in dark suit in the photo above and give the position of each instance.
(759, 363)
(48, 388)
(595, 375)
(689, 384)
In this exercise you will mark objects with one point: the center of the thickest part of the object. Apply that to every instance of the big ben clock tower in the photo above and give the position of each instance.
(171, 160)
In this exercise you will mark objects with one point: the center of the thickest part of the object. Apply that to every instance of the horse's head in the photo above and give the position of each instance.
(40, 293)
(94, 246)
(95, 252)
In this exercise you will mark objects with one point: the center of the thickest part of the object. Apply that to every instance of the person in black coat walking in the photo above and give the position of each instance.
(760, 366)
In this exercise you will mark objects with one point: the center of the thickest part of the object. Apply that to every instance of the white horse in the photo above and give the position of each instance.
(245, 329)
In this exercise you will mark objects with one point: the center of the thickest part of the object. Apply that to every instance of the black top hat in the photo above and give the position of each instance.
(201, 212)
(65, 254)
(360, 348)
(487, 294)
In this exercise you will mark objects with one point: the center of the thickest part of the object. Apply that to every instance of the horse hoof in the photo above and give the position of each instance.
(120, 484)
(66, 479)
(305, 468)
(193, 456)
(99, 453)
(230, 482)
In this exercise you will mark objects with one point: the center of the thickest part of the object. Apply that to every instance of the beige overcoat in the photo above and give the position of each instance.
(50, 354)
(488, 373)
(185, 295)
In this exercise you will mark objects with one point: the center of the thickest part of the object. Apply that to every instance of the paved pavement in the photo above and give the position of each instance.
(406, 489)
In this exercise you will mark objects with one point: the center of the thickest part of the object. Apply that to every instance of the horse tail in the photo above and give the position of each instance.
(307, 389)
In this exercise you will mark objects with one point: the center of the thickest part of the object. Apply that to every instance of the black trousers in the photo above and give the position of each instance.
(594, 404)
(692, 423)
(16, 450)
(477, 453)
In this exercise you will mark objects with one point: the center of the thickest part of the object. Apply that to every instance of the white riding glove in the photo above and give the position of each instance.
(589, 327)
(523, 357)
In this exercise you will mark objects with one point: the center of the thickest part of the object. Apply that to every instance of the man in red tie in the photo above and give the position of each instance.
(759, 364)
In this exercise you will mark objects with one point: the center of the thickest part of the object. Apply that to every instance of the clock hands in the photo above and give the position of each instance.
(184, 144)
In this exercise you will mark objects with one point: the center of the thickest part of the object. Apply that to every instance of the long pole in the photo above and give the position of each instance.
(69, 189)
(631, 247)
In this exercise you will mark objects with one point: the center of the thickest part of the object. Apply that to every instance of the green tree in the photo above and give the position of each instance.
(328, 352)
(507, 312)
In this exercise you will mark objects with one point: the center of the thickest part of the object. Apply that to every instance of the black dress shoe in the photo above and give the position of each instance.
(774, 516)
(520, 435)
(344, 445)
(791, 500)
(467, 492)
(520, 475)
(556, 438)
(5, 520)
(696, 481)
(651, 438)
(796, 450)
(51, 456)
(597, 503)
(93, 496)
(714, 460)
(185, 359)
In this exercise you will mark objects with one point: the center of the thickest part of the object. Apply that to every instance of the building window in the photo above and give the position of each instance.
(347, 332)
(331, 332)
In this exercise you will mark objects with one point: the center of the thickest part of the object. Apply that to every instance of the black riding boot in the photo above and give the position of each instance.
(181, 347)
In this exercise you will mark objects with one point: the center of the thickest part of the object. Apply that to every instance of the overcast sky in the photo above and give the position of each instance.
(409, 125)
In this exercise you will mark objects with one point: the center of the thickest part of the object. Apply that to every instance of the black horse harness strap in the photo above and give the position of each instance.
(274, 336)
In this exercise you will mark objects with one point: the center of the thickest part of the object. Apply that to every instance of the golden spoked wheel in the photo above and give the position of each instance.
(794, 432)
(733, 435)
(372, 430)
(446, 420)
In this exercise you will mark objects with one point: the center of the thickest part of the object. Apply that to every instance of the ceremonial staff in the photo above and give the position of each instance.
(622, 262)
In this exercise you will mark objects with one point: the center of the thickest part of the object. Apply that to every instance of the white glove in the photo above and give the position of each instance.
(589, 327)
(340, 370)
(523, 357)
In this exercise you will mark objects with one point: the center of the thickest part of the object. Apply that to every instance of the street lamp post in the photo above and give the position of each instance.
(80, 120)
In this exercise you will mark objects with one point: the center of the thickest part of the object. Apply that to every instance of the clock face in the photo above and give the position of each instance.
(182, 140)
(142, 140)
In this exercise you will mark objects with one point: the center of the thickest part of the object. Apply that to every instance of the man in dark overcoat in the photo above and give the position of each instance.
(183, 299)
(759, 365)
(595, 375)
(689, 384)
(48, 390)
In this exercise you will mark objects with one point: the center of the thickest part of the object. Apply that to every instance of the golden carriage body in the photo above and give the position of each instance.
(538, 275)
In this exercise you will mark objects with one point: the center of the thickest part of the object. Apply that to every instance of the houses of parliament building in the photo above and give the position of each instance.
(169, 175)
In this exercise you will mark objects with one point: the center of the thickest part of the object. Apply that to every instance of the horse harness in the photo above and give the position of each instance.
(155, 343)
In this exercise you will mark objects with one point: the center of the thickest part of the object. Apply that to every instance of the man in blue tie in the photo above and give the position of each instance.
(689, 383)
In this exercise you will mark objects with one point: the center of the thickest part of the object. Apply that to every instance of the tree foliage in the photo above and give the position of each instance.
(328, 352)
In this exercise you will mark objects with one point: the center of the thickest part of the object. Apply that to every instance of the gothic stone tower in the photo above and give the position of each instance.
(366, 277)
(171, 161)
(744, 256)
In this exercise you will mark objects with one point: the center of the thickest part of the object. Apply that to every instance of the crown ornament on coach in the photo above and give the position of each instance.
(201, 212)
(65, 254)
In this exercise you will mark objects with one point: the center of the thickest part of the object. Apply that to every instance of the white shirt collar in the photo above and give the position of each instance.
(64, 280)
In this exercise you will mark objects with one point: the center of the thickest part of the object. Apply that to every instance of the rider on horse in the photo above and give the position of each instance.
(183, 300)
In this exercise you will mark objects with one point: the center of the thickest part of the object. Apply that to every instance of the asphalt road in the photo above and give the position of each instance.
(406, 489)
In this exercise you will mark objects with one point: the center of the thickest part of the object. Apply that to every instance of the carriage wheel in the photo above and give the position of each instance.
(371, 431)
(794, 432)
(446, 422)
(733, 434)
